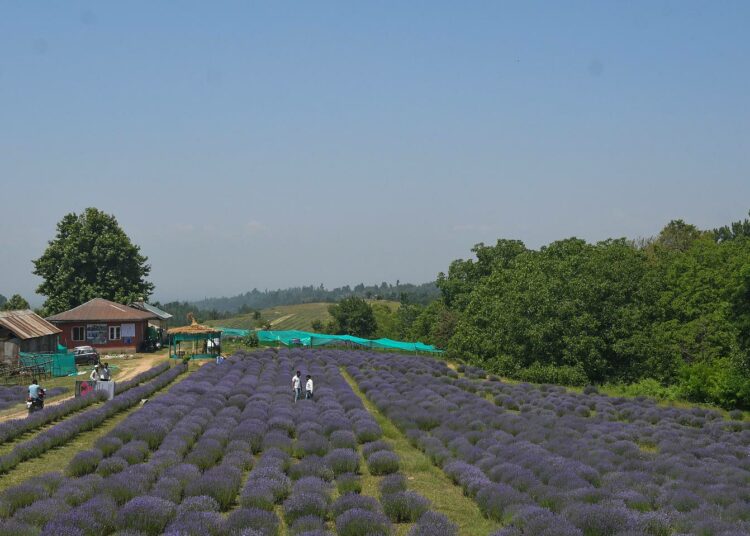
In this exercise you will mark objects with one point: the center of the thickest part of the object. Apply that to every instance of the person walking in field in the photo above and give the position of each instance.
(104, 374)
(309, 387)
(95, 375)
(297, 385)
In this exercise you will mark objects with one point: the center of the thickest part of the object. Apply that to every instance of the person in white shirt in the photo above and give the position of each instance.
(95, 374)
(309, 387)
(297, 386)
(104, 374)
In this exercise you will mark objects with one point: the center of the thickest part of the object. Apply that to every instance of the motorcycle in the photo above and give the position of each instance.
(35, 404)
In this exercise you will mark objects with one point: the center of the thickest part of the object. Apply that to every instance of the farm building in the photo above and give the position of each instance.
(160, 323)
(25, 331)
(105, 325)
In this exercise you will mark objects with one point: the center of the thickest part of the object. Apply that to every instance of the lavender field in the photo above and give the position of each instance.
(226, 451)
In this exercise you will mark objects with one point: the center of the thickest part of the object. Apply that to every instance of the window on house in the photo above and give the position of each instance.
(114, 333)
(79, 333)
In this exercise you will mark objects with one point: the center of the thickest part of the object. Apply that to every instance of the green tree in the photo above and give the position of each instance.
(91, 256)
(15, 303)
(464, 275)
(353, 316)
(3, 300)
(317, 325)
(734, 230)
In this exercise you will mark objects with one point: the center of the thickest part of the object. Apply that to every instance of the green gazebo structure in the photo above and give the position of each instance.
(195, 341)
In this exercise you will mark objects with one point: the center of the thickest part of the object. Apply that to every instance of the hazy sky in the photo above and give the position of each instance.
(272, 144)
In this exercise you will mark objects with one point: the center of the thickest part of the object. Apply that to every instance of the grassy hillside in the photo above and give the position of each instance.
(285, 317)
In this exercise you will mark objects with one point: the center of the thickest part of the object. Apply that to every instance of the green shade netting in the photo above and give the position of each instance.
(60, 364)
(305, 338)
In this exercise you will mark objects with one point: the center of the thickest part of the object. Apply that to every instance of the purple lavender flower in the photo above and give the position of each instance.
(196, 523)
(221, 482)
(356, 522)
(146, 514)
(41, 511)
(383, 463)
(262, 521)
(354, 500)
(404, 506)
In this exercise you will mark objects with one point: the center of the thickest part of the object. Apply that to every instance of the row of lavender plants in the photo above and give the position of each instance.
(11, 429)
(16, 394)
(536, 461)
(61, 433)
(179, 461)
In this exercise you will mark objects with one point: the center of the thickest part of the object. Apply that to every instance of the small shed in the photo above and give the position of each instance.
(25, 331)
(195, 341)
(160, 323)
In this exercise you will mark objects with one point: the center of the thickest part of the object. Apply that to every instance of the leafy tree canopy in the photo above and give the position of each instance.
(15, 303)
(353, 316)
(91, 256)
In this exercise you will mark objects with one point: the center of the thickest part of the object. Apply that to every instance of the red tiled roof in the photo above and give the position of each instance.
(104, 310)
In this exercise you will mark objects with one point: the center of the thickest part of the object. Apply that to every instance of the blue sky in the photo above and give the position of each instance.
(271, 144)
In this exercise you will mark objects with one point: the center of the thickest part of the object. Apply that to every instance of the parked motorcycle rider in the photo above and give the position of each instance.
(36, 396)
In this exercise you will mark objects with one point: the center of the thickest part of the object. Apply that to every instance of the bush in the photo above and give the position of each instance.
(383, 463)
(562, 374)
(108, 445)
(221, 482)
(42, 511)
(304, 504)
(392, 484)
(404, 506)
(19, 496)
(354, 500)
(343, 439)
(84, 462)
(307, 524)
(260, 495)
(110, 466)
(433, 524)
(357, 522)
(348, 483)
(261, 521)
(343, 461)
(146, 514)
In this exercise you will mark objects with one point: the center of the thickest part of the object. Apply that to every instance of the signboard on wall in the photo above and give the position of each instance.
(96, 333)
(127, 330)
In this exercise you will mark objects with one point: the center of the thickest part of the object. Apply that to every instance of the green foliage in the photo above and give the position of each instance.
(734, 230)
(560, 374)
(406, 292)
(674, 310)
(646, 387)
(3, 300)
(720, 382)
(353, 316)
(251, 340)
(15, 303)
(91, 256)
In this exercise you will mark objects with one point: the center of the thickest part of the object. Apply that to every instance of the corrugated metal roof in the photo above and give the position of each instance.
(101, 309)
(152, 309)
(26, 324)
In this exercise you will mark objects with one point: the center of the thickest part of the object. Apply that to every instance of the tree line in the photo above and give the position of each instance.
(257, 299)
(671, 312)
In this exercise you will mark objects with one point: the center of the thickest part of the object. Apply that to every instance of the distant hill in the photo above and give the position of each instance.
(284, 317)
(256, 299)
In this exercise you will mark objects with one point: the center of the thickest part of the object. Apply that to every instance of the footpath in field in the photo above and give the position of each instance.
(429, 480)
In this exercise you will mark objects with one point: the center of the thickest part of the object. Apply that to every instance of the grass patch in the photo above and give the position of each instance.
(424, 478)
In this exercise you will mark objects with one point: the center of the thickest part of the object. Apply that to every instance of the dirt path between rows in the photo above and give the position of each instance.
(142, 364)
